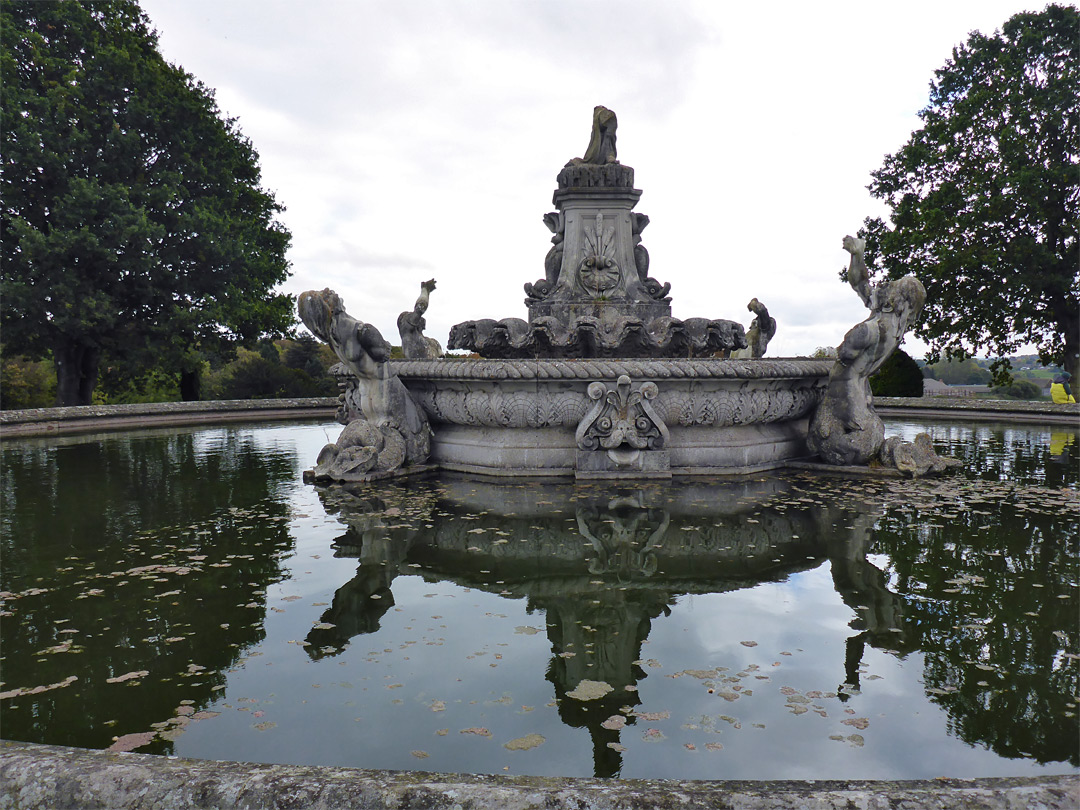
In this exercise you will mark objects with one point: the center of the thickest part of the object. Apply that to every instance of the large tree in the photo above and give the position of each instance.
(985, 197)
(134, 223)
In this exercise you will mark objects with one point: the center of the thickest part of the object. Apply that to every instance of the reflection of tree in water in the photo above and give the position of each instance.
(996, 618)
(123, 517)
(981, 589)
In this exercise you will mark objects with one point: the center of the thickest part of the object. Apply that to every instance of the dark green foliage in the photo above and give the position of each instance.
(985, 197)
(899, 376)
(1019, 389)
(118, 386)
(261, 375)
(307, 354)
(134, 225)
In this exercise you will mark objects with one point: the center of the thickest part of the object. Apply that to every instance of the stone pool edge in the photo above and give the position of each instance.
(92, 418)
(33, 422)
(51, 776)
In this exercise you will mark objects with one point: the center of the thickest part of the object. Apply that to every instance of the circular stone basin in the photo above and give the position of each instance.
(522, 417)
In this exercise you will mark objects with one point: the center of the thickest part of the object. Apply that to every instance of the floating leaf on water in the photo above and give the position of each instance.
(420, 754)
(142, 673)
(652, 717)
(653, 735)
(690, 746)
(748, 643)
(526, 631)
(714, 746)
(479, 732)
(590, 690)
(129, 742)
(524, 743)
(858, 722)
(617, 747)
(615, 722)
(264, 726)
(207, 715)
(442, 732)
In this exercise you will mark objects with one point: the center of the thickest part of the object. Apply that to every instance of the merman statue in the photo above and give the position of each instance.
(392, 430)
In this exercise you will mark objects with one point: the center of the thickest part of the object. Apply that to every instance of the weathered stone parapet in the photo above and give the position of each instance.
(47, 776)
(965, 408)
(89, 418)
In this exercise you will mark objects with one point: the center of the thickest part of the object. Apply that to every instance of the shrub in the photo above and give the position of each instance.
(899, 376)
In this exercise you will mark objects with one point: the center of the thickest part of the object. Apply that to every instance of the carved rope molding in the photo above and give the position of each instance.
(593, 369)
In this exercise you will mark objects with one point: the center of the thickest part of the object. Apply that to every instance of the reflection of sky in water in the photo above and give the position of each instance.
(736, 634)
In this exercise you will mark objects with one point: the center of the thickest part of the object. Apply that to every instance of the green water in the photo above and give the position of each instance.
(182, 592)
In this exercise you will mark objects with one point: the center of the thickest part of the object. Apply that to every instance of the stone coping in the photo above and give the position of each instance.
(84, 419)
(999, 410)
(49, 776)
(90, 418)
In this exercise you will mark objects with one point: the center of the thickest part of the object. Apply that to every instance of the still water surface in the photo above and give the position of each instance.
(182, 592)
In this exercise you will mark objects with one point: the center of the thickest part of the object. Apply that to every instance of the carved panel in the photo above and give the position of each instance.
(620, 416)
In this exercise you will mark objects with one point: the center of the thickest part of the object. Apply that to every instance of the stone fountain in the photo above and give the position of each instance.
(601, 381)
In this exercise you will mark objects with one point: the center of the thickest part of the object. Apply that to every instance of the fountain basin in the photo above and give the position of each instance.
(527, 417)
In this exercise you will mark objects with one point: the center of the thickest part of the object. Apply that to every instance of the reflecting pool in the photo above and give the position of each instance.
(182, 592)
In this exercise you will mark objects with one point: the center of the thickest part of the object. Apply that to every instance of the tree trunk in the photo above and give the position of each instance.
(191, 385)
(76, 372)
(1071, 361)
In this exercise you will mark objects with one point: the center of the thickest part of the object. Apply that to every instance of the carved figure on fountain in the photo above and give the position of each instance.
(762, 330)
(411, 326)
(391, 430)
(845, 429)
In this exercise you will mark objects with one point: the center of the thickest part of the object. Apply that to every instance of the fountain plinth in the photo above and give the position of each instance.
(600, 263)
(596, 298)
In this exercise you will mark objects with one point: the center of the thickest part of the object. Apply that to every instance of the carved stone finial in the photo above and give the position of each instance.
(411, 327)
(762, 330)
(602, 140)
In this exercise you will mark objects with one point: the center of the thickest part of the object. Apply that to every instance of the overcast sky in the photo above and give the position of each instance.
(411, 139)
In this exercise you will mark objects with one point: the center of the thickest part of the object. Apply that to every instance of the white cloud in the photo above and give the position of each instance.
(417, 138)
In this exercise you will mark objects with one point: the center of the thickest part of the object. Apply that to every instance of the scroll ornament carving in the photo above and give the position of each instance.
(621, 416)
